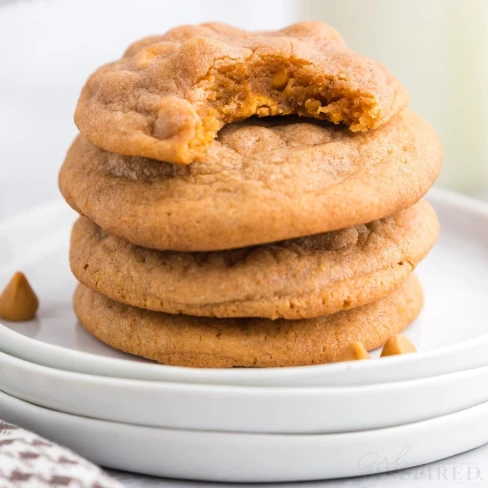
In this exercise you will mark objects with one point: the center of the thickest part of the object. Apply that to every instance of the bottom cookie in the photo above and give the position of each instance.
(203, 342)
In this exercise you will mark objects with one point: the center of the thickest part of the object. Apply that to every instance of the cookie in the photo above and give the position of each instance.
(169, 95)
(301, 278)
(183, 340)
(263, 181)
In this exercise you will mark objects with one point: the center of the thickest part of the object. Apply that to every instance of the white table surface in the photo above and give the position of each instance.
(468, 470)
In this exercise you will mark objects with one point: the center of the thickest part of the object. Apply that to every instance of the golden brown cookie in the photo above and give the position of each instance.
(301, 278)
(263, 181)
(169, 95)
(184, 340)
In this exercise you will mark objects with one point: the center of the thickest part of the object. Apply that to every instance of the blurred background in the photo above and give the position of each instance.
(438, 49)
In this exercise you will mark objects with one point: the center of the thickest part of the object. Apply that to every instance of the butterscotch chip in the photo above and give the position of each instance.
(18, 302)
(184, 340)
(301, 278)
(354, 352)
(397, 345)
(169, 95)
(262, 181)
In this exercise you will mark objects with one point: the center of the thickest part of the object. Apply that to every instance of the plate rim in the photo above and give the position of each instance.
(186, 405)
(362, 433)
(359, 443)
(240, 389)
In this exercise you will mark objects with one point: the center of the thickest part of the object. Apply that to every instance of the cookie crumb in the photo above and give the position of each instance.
(354, 352)
(395, 345)
(18, 302)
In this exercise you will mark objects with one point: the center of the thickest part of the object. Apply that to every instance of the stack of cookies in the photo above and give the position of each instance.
(248, 199)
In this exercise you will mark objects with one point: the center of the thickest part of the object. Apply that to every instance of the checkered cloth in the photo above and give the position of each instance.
(29, 461)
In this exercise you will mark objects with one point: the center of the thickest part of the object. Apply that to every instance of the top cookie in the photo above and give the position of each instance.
(169, 95)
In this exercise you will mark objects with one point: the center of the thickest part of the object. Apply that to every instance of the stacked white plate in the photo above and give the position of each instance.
(245, 425)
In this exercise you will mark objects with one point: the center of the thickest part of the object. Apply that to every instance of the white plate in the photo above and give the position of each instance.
(281, 410)
(451, 332)
(236, 457)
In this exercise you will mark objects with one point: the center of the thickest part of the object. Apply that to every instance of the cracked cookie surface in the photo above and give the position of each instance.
(264, 180)
(169, 95)
(183, 340)
(301, 278)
